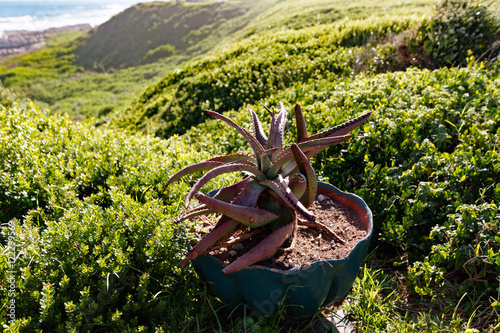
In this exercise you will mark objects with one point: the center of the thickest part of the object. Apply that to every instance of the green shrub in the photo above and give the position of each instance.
(457, 27)
(158, 53)
(83, 212)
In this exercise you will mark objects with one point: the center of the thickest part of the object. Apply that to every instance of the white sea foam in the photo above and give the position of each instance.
(53, 16)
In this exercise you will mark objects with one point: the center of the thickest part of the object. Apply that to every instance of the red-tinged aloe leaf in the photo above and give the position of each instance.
(250, 194)
(254, 144)
(248, 197)
(201, 210)
(203, 166)
(210, 239)
(229, 193)
(300, 124)
(265, 159)
(286, 195)
(298, 184)
(271, 130)
(249, 216)
(221, 170)
(257, 128)
(343, 128)
(265, 249)
(305, 168)
(234, 158)
(278, 128)
(286, 157)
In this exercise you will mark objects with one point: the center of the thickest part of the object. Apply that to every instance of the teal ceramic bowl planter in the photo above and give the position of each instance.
(302, 291)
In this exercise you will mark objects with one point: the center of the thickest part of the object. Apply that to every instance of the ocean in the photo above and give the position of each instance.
(41, 15)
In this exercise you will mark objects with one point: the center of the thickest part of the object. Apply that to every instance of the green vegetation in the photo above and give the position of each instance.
(80, 76)
(252, 69)
(190, 28)
(49, 63)
(94, 240)
(458, 28)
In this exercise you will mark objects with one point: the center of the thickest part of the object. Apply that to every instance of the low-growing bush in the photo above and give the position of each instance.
(86, 233)
(456, 28)
(158, 53)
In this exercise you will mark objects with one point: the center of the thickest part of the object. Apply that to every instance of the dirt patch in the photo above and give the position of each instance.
(312, 244)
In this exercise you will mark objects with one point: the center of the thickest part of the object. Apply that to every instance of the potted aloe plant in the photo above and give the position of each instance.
(278, 188)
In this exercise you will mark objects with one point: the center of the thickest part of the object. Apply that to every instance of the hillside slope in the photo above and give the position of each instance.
(150, 31)
(251, 70)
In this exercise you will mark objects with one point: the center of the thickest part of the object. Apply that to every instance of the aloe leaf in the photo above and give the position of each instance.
(254, 143)
(287, 197)
(265, 159)
(298, 184)
(257, 127)
(249, 216)
(203, 166)
(343, 128)
(210, 239)
(278, 128)
(305, 168)
(233, 158)
(229, 193)
(300, 124)
(265, 249)
(200, 210)
(286, 157)
(221, 170)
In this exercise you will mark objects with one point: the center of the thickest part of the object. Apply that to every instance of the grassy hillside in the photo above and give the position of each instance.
(82, 76)
(263, 64)
(68, 76)
(150, 31)
(253, 69)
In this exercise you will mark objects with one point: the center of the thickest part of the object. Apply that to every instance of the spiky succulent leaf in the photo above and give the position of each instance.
(210, 239)
(229, 193)
(300, 124)
(198, 211)
(305, 168)
(285, 194)
(254, 143)
(257, 128)
(298, 184)
(286, 156)
(265, 159)
(265, 249)
(249, 216)
(343, 128)
(221, 170)
(277, 131)
(203, 166)
(235, 158)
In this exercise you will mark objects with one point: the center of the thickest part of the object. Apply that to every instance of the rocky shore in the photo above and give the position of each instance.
(20, 41)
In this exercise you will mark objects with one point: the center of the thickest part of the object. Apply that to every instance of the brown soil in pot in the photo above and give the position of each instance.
(312, 244)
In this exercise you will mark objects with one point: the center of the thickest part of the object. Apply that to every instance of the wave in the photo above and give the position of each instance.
(76, 14)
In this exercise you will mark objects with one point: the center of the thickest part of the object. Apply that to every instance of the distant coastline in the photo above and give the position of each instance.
(20, 41)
